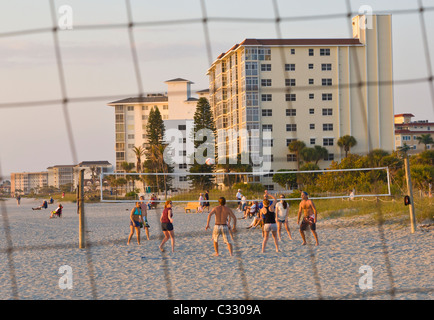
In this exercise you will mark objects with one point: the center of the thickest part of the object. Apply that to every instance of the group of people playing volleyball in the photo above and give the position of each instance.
(269, 214)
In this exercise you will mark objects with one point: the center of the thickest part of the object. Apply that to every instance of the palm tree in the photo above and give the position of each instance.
(426, 139)
(347, 142)
(139, 152)
(403, 150)
(321, 153)
(296, 146)
(128, 167)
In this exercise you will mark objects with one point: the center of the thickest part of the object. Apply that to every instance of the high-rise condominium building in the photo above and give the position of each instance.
(313, 90)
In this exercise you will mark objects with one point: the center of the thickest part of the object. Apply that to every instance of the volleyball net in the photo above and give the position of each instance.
(187, 187)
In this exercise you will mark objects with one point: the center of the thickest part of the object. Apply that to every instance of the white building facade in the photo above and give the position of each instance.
(313, 90)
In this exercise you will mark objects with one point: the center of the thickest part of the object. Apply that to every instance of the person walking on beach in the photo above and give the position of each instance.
(206, 203)
(18, 198)
(223, 216)
(166, 220)
(269, 217)
(136, 219)
(309, 217)
(200, 208)
(144, 208)
(239, 195)
(282, 210)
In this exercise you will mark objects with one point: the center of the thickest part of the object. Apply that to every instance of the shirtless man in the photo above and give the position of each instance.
(309, 218)
(222, 214)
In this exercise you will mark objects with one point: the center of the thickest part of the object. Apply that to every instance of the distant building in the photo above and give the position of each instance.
(407, 131)
(59, 175)
(26, 182)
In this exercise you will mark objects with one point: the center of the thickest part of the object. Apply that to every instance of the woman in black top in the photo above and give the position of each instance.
(269, 218)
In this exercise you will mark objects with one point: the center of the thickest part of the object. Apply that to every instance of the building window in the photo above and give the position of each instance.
(312, 140)
(266, 82)
(130, 108)
(327, 141)
(251, 83)
(326, 67)
(290, 82)
(266, 67)
(252, 114)
(266, 97)
(291, 112)
(182, 178)
(311, 111)
(324, 52)
(251, 68)
(327, 127)
(290, 67)
(251, 99)
(329, 157)
(311, 96)
(182, 127)
(144, 108)
(290, 97)
(327, 97)
(267, 112)
(264, 54)
(130, 136)
(267, 143)
(312, 126)
(292, 51)
(310, 52)
(288, 141)
(182, 166)
(291, 158)
(326, 82)
(310, 66)
(182, 153)
(327, 112)
(311, 81)
(267, 127)
(406, 138)
(291, 127)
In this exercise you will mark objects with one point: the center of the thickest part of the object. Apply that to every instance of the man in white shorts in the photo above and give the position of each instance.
(223, 215)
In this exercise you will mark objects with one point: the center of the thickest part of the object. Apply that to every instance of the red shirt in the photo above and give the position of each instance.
(165, 217)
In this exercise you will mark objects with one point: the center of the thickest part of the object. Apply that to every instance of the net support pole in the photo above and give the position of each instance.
(81, 232)
(410, 194)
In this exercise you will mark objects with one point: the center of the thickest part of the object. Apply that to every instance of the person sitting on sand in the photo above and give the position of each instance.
(57, 212)
(222, 213)
(309, 217)
(43, 205)
(257, 220)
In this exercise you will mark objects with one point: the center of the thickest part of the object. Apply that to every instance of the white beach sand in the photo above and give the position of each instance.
(109, 269)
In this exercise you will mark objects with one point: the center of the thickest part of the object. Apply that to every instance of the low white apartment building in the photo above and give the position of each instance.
(177, 108)
(408, 132)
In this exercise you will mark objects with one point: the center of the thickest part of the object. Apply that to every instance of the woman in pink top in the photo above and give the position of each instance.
(167, 225)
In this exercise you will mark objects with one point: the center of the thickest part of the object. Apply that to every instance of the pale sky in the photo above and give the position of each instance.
(98, 62)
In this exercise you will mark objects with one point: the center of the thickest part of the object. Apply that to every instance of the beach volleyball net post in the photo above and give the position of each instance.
(187, 187)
